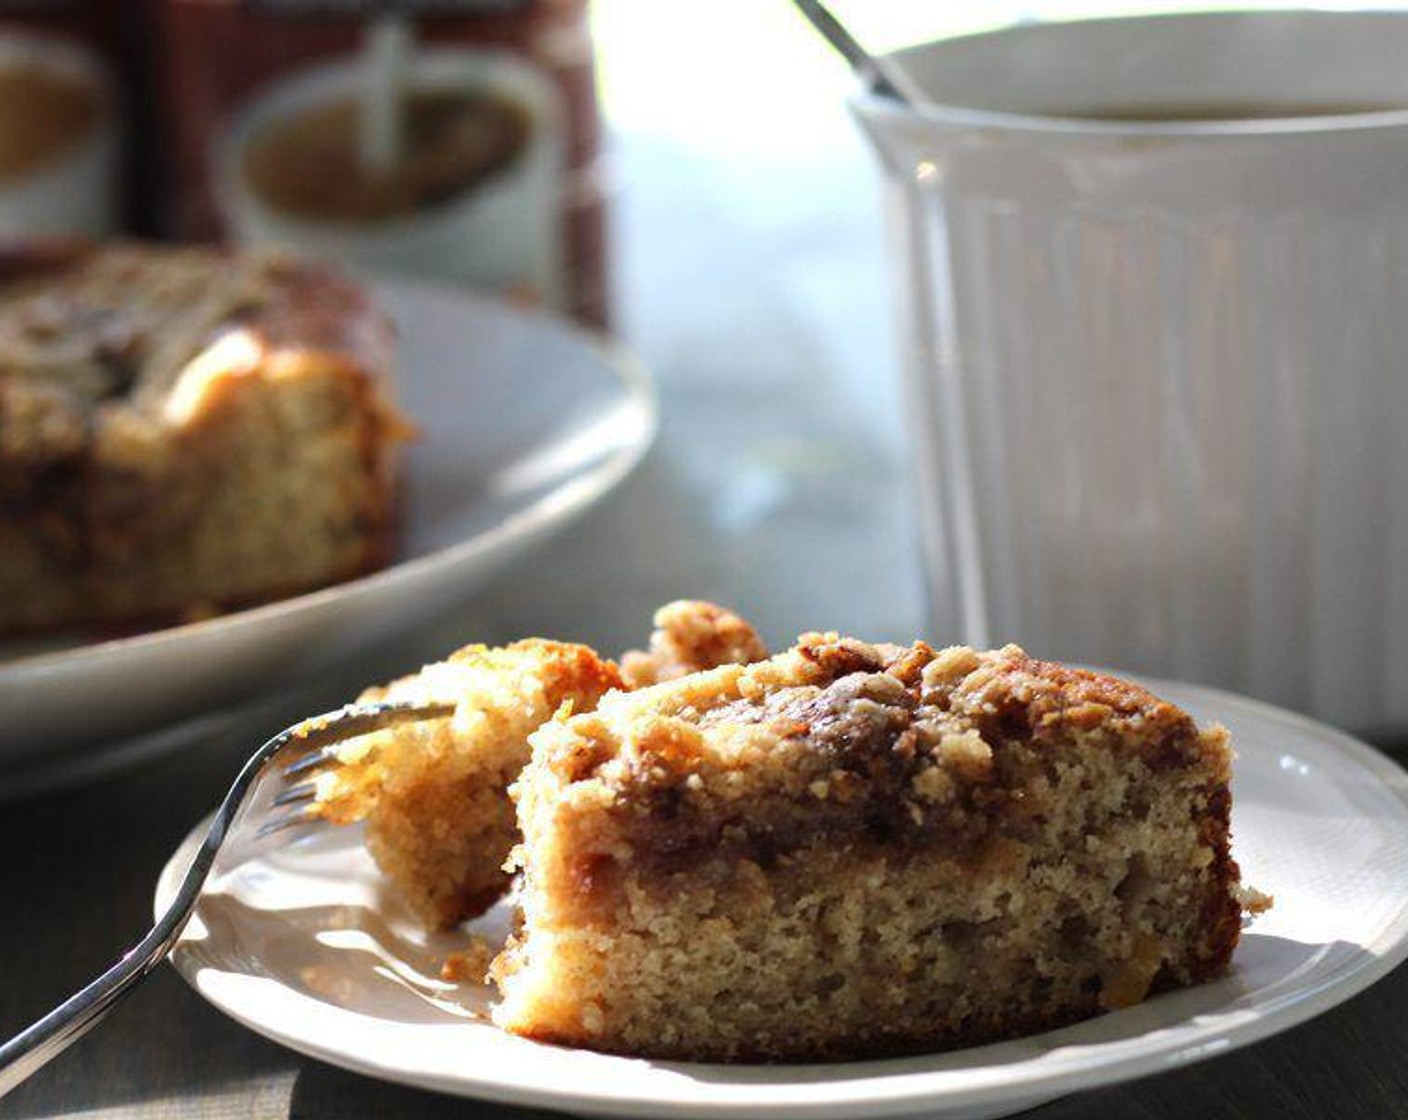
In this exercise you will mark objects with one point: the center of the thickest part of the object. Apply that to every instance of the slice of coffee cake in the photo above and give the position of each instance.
(435, 795)
(186, 430)
(853, 850)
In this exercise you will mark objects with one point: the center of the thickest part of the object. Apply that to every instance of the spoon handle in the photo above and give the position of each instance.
(878, 73)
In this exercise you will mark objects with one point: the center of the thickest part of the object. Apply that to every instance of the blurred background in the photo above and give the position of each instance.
(724, 219)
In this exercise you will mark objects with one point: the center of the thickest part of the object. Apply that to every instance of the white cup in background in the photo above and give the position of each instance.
(1159, 369)
(70, 185)
(501, 234)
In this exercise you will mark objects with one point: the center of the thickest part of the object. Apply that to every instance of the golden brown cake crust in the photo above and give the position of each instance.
(148, 396)
(435, 796)
(706, 860)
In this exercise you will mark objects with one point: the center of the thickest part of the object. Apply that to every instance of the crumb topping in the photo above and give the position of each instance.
(691, 635)
(886, 742)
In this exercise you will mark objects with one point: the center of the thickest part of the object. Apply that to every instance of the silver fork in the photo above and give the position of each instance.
(315, 740)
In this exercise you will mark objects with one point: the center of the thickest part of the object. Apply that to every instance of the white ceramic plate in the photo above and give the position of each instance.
(304, 947)
(525, 423)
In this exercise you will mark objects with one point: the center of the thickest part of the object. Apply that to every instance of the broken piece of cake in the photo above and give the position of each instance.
(440, 824)
(853, 850)
(434, 794)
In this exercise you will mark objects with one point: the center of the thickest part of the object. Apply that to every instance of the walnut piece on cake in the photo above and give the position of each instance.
(853, 850)
(184, 430)
(440, 823)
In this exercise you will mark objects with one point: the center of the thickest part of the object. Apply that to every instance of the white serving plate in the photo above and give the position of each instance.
(526, 422)
(305, 947)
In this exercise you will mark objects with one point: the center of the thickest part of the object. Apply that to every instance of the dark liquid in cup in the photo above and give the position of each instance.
(309, 163)
(1192, 112)
(43, 113)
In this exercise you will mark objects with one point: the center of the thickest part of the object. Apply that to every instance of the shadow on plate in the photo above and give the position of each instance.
(353, 957)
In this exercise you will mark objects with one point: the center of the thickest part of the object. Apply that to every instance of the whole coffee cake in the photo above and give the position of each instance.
(184, 430)
(853, 850)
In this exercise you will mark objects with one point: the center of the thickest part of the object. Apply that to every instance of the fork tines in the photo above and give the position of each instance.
(323, 736)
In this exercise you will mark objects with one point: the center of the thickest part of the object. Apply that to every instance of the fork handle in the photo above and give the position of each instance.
(46, 1039)
(29, 1050)
(33, 1047)
(39, 1043)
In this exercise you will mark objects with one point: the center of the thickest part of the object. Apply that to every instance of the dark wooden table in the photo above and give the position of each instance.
(752, 279)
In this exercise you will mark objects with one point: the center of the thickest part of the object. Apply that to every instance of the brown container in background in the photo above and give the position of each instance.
(63, 118)
(263, 111)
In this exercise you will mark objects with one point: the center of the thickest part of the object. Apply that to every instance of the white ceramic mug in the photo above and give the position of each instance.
(1159, 369)
(501, 235)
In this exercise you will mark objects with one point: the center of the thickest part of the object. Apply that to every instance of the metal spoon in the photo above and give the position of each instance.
(878, 72)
